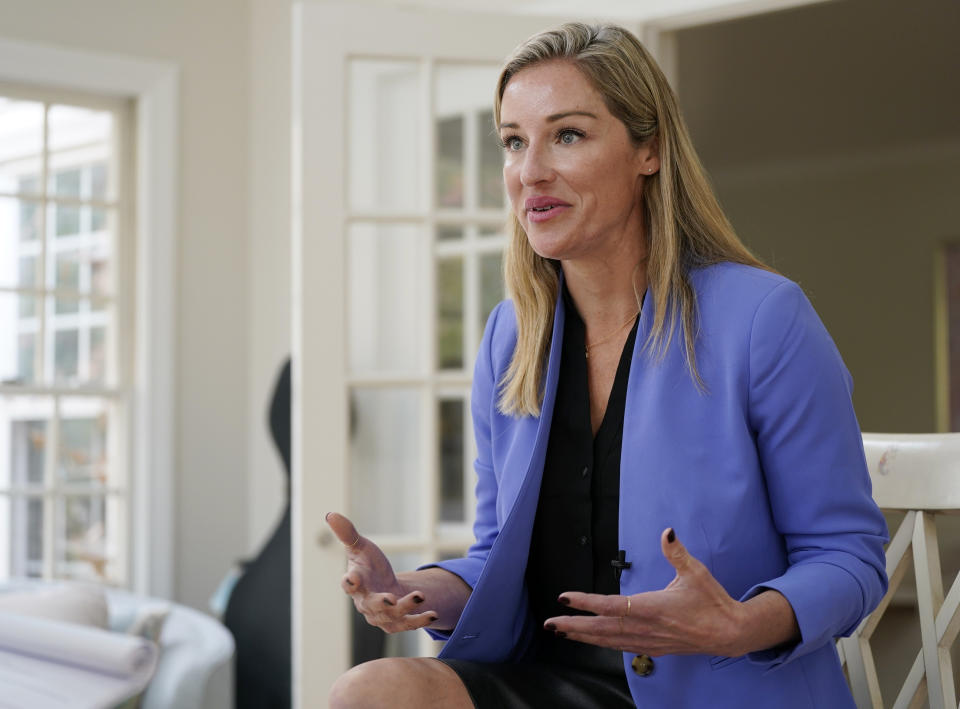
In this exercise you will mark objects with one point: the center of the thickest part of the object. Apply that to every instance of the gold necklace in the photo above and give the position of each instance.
(607, 338)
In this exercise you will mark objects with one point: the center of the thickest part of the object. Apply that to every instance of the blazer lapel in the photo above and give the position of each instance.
(493, 624)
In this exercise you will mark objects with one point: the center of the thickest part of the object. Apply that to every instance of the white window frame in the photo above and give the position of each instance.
(56, 402)
(154, 88)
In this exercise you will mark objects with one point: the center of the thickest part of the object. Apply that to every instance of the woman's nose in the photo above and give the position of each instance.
(536, 166)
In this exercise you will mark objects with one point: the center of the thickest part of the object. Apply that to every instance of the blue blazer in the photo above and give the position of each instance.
(762, 476)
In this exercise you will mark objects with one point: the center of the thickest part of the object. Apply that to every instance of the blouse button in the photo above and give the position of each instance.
(642, 665)
(583, 541)
(585, 472)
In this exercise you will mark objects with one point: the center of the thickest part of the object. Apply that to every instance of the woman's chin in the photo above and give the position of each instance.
(553, 246)
(555, 254)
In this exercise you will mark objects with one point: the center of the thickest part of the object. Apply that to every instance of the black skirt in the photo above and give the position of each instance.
(558, 675)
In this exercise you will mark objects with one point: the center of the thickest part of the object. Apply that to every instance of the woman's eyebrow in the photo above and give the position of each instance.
(560, 116)
(553, 117)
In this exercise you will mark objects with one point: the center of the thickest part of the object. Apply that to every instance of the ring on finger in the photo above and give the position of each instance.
(354, 543)
(626, 613)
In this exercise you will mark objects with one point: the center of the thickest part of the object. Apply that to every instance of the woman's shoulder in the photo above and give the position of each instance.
(737, 276)
(500, 333)
(740, 304)
(736, 287)
(502, 321)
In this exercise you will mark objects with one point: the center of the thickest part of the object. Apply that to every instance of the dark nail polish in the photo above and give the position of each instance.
(388, 601)
(433, 618)
(417, 599)
(327, 516)
(350, 583)
(561, 634)
(564, 600)
(550, 626)
(671, 537)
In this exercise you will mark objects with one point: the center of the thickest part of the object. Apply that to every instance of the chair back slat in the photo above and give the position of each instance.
(919, 474)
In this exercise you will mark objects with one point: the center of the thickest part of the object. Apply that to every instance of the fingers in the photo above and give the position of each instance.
(605, 631)
(595, 603)
(608, 626)
(394, 615)
(415, 621)
(686, 616)
(390, 613)
(410, 603)
(351, 585)
(674, 551)
(611, 641)
(388, 604)
(368, 574)
(344, 529)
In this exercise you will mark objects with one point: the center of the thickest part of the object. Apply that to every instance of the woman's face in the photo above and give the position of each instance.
(573, 175)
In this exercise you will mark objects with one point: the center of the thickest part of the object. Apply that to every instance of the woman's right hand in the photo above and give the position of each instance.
(375, 589)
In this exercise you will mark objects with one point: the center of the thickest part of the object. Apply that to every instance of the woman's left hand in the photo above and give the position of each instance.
(693, 614)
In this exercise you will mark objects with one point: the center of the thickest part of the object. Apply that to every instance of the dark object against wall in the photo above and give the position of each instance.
(258, 613)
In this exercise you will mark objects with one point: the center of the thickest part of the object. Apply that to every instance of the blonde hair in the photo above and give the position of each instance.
(685, 225)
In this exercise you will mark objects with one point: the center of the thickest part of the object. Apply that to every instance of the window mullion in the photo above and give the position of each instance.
(52, 445)
(471, 161)
(471, 300)
(429, 476)
(41, 351)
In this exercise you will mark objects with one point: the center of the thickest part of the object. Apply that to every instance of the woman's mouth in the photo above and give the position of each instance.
(540, 209)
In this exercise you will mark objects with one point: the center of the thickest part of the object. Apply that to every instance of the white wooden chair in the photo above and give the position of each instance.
(920, 475)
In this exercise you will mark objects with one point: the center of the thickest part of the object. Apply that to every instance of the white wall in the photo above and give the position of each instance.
(209, 42)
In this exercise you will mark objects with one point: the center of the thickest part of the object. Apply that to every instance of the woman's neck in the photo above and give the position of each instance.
(605, 293)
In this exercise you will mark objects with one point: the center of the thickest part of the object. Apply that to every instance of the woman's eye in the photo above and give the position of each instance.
(513, 143)
(569, 137)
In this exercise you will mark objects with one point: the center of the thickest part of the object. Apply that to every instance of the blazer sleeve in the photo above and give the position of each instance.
(483, 403)
(811, 451)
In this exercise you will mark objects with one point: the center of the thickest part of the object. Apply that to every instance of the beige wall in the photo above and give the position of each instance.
(208, 42)
(269, 268)
(833, 137)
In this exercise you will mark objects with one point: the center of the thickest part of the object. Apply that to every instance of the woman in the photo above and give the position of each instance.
(648, 379)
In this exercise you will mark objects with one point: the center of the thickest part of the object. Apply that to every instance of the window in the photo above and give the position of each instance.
(65, 336)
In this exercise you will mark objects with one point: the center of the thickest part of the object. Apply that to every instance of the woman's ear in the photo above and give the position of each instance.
(651, 161)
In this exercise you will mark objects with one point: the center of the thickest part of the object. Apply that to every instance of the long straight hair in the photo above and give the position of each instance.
(685, 226)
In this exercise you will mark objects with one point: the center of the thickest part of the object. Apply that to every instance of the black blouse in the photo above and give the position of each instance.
(575, 534)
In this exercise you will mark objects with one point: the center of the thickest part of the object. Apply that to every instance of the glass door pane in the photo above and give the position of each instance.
(450, 445)
(468, 162)
(385, 124)
(449, 297)
(386, 461)
(386, 295)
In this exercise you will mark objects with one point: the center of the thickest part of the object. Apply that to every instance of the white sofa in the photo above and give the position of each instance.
(195, 667)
